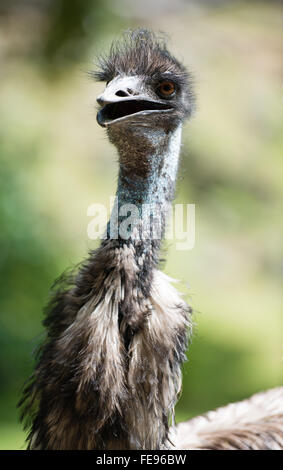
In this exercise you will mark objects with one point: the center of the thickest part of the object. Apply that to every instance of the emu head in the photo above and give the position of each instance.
(146, 87)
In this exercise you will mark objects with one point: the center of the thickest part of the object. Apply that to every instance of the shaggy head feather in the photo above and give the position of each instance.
(142, 53)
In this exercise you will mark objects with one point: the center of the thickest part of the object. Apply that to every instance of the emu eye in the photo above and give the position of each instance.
(166, 89)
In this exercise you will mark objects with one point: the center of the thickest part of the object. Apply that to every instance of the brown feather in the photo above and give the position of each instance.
(252, 424)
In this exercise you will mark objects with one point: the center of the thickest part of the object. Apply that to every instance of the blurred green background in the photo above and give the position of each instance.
(56, 161)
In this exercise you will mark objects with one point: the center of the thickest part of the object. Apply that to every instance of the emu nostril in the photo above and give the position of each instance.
(100, 101)
(121, 93)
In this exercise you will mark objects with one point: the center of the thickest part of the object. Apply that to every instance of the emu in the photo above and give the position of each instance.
(108, 374)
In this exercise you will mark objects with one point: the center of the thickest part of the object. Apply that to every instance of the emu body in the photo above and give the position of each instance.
(252, 424)
(108, 374)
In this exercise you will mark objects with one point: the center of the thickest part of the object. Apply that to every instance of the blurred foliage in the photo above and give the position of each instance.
(27, 264)
(55, 162)
(63, 30)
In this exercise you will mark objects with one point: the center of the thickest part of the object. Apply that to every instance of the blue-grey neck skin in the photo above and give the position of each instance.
(146, 184)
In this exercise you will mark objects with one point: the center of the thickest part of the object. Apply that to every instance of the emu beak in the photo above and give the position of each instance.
(125, 98)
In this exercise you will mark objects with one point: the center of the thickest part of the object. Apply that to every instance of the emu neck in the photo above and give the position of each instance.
(117, 336)
(151, 175)
(146, 185)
